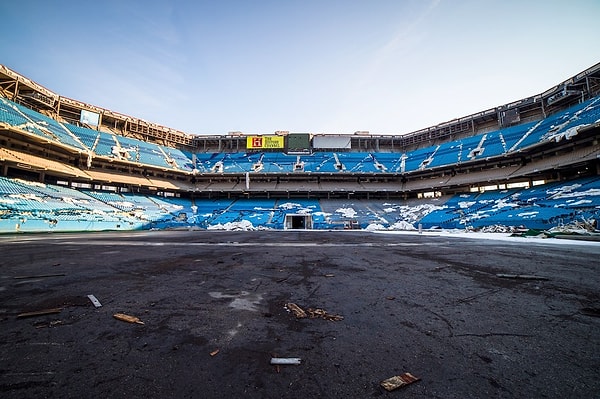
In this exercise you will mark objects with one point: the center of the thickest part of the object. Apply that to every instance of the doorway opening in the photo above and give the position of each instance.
(298, 222)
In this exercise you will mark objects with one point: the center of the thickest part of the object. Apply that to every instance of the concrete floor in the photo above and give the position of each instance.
(429, 305)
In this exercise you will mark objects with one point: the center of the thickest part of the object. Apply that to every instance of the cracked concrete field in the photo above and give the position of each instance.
(213, 308)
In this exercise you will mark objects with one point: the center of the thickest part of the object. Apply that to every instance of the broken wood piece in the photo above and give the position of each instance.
(285, 360)
(38, 276)
(323, 314)
(127, 318)
(521, 276)
(297, 310)
(214, 353)
(95, 301)
(39, 312)
(398, 381)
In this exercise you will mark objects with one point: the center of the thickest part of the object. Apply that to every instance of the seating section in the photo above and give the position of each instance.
(562, 125)
(10, 114)
(582, 116)
(39, 124)
(177, 158)
(29, 206)
(140, 152)
(87, 136)
(554, 123)
(539, 207)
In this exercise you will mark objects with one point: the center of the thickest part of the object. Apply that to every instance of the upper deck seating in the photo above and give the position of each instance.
(87, 136)
(179, 159)
(141, 152)
(41, 124)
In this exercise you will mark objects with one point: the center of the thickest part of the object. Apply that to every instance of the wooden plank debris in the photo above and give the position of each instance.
(38, 276)
(296, 310)
(39, 313)
(127, 318)
(323, 314)
(398, 381)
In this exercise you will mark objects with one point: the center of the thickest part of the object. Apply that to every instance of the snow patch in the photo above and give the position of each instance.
(592, 192)
(289, 205)
(375, 227)
(528, 215)
(466, 204)
(402, 225)
(244, 225)
(346, 212)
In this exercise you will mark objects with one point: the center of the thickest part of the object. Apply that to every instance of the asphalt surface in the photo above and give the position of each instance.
(213, 308)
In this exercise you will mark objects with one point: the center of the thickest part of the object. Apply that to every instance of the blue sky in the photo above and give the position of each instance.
(319, 66)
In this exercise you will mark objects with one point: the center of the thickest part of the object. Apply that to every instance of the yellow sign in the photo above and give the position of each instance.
(262, 142)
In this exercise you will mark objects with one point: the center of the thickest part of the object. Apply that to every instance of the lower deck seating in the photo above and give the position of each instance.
(59, 208)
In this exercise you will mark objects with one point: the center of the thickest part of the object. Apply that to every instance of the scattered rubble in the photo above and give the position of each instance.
(398, 381)
(312, 313)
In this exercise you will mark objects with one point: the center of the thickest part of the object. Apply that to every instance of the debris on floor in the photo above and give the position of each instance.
(312, 313)
(95, 301)
(285, 360)
(39, 313)
(53, 323)
(521, 277)
(398, 381)
(214, 353)
(323, 314)
(38, 276)
(127, 318)
(296, 310)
